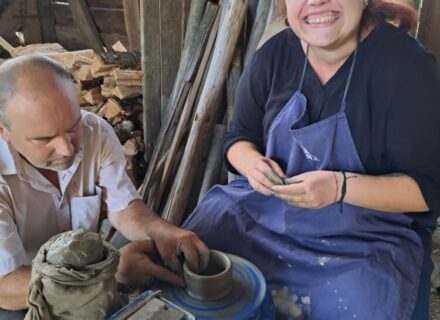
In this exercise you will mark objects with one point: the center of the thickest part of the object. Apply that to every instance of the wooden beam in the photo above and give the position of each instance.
(84, 21)
(132, 23)
(150, 47)
(47, 21)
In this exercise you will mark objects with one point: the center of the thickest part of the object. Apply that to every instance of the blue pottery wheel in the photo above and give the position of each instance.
(248, 298)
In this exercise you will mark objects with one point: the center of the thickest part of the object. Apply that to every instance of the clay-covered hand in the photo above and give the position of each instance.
(264, 173)
(314, 189)
(136, 266)
(173, 242)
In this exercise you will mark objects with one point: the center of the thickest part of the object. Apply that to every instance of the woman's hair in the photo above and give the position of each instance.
(397, 12)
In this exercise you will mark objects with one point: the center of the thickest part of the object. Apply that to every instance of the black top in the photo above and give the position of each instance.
(393, 103)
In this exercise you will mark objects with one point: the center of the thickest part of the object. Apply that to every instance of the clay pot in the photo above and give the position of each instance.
(215, 282)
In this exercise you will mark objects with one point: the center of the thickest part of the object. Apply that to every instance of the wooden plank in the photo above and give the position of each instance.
(62, 14)
(228, 34)
(429, 29)
(31, 22)
(132, 23)
(195, 17)
(115, 4)
(47, 21)
(84, 21)
(150, 45)
(10, 22)
(109, 20)
(70, 37)
(171, 11)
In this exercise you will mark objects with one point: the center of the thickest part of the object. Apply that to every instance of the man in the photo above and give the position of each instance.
(57, 164)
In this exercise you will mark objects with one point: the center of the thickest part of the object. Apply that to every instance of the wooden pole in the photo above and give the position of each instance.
(223, 52)
(84, 21)
(150, 43)
(258, 28)
(132, 23)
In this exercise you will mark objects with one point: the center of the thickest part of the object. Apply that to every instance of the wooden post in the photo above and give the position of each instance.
(47, 21)
(206, 109)
(132, 23)
(84, 21)
(150, 45)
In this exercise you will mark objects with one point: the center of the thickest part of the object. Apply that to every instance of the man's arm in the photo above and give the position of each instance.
(14, 289)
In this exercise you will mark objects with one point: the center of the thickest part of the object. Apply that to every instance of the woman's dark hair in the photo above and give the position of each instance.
(397, 12)
(400, 14)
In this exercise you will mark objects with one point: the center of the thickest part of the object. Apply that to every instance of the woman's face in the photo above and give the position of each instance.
(327, 24)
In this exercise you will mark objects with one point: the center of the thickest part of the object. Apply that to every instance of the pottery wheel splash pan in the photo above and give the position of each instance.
(243, 302)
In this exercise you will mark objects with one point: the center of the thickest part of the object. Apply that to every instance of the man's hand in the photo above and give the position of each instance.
(172, 242)
(137, 268)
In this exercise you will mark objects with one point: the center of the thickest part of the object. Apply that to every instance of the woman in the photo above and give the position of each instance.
(336, 129)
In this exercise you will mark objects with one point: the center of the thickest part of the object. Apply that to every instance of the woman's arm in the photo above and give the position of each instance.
(317, 189)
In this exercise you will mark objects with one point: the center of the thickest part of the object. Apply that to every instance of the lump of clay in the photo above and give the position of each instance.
(77, 248)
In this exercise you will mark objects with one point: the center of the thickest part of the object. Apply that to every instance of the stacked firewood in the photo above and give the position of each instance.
(108, 84)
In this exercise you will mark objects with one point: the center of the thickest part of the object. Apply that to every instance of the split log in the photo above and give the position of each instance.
(223, 52)
(119, 47)
(125, 92)
(133, 146)
(112, 111)
(124, 60)
(100, 67)
(93, 96)
(127, 77)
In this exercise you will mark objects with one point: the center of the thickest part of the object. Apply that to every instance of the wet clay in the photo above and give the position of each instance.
(215, 282)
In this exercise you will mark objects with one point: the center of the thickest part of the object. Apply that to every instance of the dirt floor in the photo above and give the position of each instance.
(435, 307)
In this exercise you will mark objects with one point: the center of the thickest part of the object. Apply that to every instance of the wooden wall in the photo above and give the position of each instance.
(429, 30)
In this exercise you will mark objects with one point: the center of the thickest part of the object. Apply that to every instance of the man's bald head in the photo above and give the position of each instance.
(30, 72)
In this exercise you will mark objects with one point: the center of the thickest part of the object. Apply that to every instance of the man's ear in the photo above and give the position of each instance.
(5, 134)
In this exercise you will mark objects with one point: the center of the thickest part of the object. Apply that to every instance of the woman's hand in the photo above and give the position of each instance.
(313, 190)
(264, 173)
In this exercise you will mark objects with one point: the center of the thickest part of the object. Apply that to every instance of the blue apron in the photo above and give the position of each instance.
(318, 263)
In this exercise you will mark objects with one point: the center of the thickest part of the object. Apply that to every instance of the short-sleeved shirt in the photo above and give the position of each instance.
(393, 103)
(32, 209)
